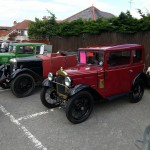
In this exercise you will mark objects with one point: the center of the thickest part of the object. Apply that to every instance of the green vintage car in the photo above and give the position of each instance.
(22, 50)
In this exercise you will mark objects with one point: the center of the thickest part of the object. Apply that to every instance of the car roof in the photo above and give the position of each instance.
(26, 44)
(112, 47)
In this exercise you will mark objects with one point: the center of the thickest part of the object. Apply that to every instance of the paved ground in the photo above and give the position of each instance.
(25, 124)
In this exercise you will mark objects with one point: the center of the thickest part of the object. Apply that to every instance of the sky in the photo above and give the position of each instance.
(19, 10)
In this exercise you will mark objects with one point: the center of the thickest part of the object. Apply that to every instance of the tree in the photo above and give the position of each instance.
(44, 29)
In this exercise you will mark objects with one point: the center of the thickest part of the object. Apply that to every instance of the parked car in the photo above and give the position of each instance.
(24, 73)
(22, 50)
(4, 46)
(104, 72)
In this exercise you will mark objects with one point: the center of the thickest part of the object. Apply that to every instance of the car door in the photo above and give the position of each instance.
(118, 72)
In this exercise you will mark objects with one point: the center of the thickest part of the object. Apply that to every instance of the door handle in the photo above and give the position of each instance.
(131, 70)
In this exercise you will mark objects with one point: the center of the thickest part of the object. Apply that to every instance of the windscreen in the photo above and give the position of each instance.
(91, 57)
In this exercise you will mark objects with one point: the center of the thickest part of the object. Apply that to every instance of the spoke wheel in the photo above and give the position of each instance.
(23, 85)
(49, 98)
(137, 91)
(79, 107)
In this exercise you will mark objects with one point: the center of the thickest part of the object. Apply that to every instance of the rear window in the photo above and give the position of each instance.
(119, 58)
(137, 55)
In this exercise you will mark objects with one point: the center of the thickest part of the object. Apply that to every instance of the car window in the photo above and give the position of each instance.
(38, 49)
(119, 58)
(137, 56)
(92, 58)
(26, 50)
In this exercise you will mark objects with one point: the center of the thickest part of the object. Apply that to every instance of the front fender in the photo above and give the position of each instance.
(4, 72)
(2, 67)
(25, 70)
(46, 83)
(77, 89)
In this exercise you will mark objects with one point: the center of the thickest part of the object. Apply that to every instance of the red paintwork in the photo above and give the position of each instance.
(53, 62)
(117, 79)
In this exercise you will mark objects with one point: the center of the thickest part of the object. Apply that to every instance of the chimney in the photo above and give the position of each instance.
(44, 18)
(15, 22)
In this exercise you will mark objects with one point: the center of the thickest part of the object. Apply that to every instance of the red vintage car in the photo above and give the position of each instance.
(24, 73)
(104, 72)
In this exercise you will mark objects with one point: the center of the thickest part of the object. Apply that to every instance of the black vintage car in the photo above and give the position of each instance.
(24, 73)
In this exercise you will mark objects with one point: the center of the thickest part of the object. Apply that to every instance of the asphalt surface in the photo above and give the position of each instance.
(25, 124)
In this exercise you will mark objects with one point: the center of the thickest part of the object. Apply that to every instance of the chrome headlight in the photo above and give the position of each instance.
(13, 62)
(50, 76)
(67, 81)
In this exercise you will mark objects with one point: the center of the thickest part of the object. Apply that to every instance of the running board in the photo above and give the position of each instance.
(110, 98)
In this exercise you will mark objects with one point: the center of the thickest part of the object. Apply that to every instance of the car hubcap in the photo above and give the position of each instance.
(80, 108)
(51, 97)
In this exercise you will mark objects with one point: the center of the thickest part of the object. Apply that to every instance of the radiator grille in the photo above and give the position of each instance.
(60, 86)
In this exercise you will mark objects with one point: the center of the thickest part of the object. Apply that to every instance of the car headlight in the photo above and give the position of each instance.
(50, 76)
(67, 81)
(13, 60)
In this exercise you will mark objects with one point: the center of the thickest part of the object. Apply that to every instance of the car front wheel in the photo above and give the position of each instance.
(22, 85)
(49, 98)
(137, 91)
(79, 107)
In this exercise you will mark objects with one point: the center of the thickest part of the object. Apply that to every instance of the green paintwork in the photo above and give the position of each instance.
(5, 57)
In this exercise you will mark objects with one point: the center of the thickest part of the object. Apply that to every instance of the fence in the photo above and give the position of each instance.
(73, 43)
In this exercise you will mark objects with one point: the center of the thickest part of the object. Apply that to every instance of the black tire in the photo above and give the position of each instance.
(137, 91)
(22, 85)
(4, 86)
(49, 98)
(79, 107)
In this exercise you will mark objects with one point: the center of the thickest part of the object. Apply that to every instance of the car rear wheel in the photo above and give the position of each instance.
(79, 107)
(137, 91)
(49, 98)
(22, 85)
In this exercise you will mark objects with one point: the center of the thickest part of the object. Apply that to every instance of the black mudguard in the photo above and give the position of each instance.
(4, 73)
(142, 76)
(77, 89)
(25, 70)
(46, 83)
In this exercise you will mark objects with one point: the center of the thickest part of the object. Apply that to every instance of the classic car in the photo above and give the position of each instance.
(22, 74)
(4, 46)
(103, 73)
(21, 50)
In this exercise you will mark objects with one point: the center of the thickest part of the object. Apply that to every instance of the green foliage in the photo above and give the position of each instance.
(124, 23)
(44, 29)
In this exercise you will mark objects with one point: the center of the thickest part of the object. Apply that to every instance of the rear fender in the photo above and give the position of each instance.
(143, 77)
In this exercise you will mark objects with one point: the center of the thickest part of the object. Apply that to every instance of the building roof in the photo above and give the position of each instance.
(3, 32)
(17, 26)
(20, 26)
(4, 28)
(90, 13)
